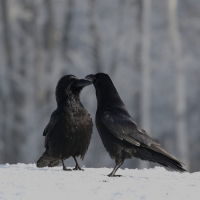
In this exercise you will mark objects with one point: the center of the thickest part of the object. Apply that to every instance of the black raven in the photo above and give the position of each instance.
(120, 135)
(69, 130)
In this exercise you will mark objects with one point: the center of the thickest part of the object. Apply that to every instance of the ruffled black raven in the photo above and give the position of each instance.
(120, 135)
(69, 130)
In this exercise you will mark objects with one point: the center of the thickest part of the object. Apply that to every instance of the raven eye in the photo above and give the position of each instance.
(73, 79)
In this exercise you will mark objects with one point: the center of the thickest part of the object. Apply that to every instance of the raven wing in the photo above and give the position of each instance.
(50, 126)
(122, 126)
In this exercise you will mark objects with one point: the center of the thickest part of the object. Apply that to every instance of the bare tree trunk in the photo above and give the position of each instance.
(38, 54)
(49, 35)
(146, 69)
(94, 35)
(66, 28)
(138, 61)
(181, 123)
(7, 139)
(7, 41)
(137, 68)
(115, 52)
(50, 47)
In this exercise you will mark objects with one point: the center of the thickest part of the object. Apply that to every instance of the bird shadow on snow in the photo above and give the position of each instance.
(31, 167)
(125, 176)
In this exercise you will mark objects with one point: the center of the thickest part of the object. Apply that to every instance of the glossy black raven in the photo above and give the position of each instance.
(120, 135)
(69, 130)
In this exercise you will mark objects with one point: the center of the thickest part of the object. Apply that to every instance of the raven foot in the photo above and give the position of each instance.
(65, 168)
(111, 175)
(78, 168)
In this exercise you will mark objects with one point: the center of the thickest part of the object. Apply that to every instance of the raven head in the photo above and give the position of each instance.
(105, 89)
(99, 79)
(69, 86)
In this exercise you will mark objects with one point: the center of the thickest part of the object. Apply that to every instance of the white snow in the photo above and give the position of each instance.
(28, 182)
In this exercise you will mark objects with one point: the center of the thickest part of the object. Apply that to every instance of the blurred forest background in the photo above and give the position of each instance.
(150, 49)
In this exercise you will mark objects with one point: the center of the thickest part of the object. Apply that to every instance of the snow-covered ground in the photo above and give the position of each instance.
(28, 182)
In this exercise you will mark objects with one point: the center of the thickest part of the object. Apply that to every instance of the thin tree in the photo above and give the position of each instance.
(7, 106)
(116, 45)
(181, 123)
(145, 69)
(95, 37)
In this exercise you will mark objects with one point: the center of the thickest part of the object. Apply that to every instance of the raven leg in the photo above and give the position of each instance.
(64, 168)
(77, 167)
(118, 162)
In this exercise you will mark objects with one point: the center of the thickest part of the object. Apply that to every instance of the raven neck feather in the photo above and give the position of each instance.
(67, 98)
(108, 95)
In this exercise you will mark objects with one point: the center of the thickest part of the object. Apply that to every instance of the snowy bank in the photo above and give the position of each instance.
(28, 182)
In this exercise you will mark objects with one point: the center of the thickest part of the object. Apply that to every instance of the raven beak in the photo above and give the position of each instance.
(80, 83)
(90, 77)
